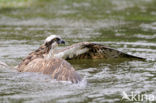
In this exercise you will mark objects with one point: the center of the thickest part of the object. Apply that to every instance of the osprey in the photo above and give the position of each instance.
(42, 60)
(49, 60)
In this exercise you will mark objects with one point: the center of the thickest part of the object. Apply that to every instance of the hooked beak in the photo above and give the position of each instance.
(61, 42)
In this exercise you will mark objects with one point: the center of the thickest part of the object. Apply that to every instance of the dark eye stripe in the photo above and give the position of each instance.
(57, 39)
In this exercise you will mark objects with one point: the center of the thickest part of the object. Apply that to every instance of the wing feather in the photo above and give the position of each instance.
(87, 50)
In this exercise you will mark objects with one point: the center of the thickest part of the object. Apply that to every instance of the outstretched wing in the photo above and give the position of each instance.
(59, 69)
(87, 50)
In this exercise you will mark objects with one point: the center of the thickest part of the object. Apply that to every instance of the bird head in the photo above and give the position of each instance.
(53, 41)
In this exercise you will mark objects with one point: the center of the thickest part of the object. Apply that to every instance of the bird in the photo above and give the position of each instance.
(47, 59)
(91, 50)
(43, 61)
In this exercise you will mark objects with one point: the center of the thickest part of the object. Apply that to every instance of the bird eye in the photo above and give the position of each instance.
(57, 39)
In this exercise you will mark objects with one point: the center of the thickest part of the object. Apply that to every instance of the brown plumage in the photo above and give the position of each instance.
(47, 60)
(88, 50)
(58, 69)
(42, 61)
(41, 52)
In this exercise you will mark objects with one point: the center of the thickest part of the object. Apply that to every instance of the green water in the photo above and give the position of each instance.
(127, 25)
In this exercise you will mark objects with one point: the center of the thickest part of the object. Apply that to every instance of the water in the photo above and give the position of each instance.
(127, 25)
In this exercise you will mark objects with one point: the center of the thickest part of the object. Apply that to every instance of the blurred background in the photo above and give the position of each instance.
(126, 25)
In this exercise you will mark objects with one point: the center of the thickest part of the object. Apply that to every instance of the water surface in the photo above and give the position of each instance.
(127, 25)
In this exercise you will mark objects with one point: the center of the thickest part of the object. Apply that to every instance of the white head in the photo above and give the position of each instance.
(53, 41)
